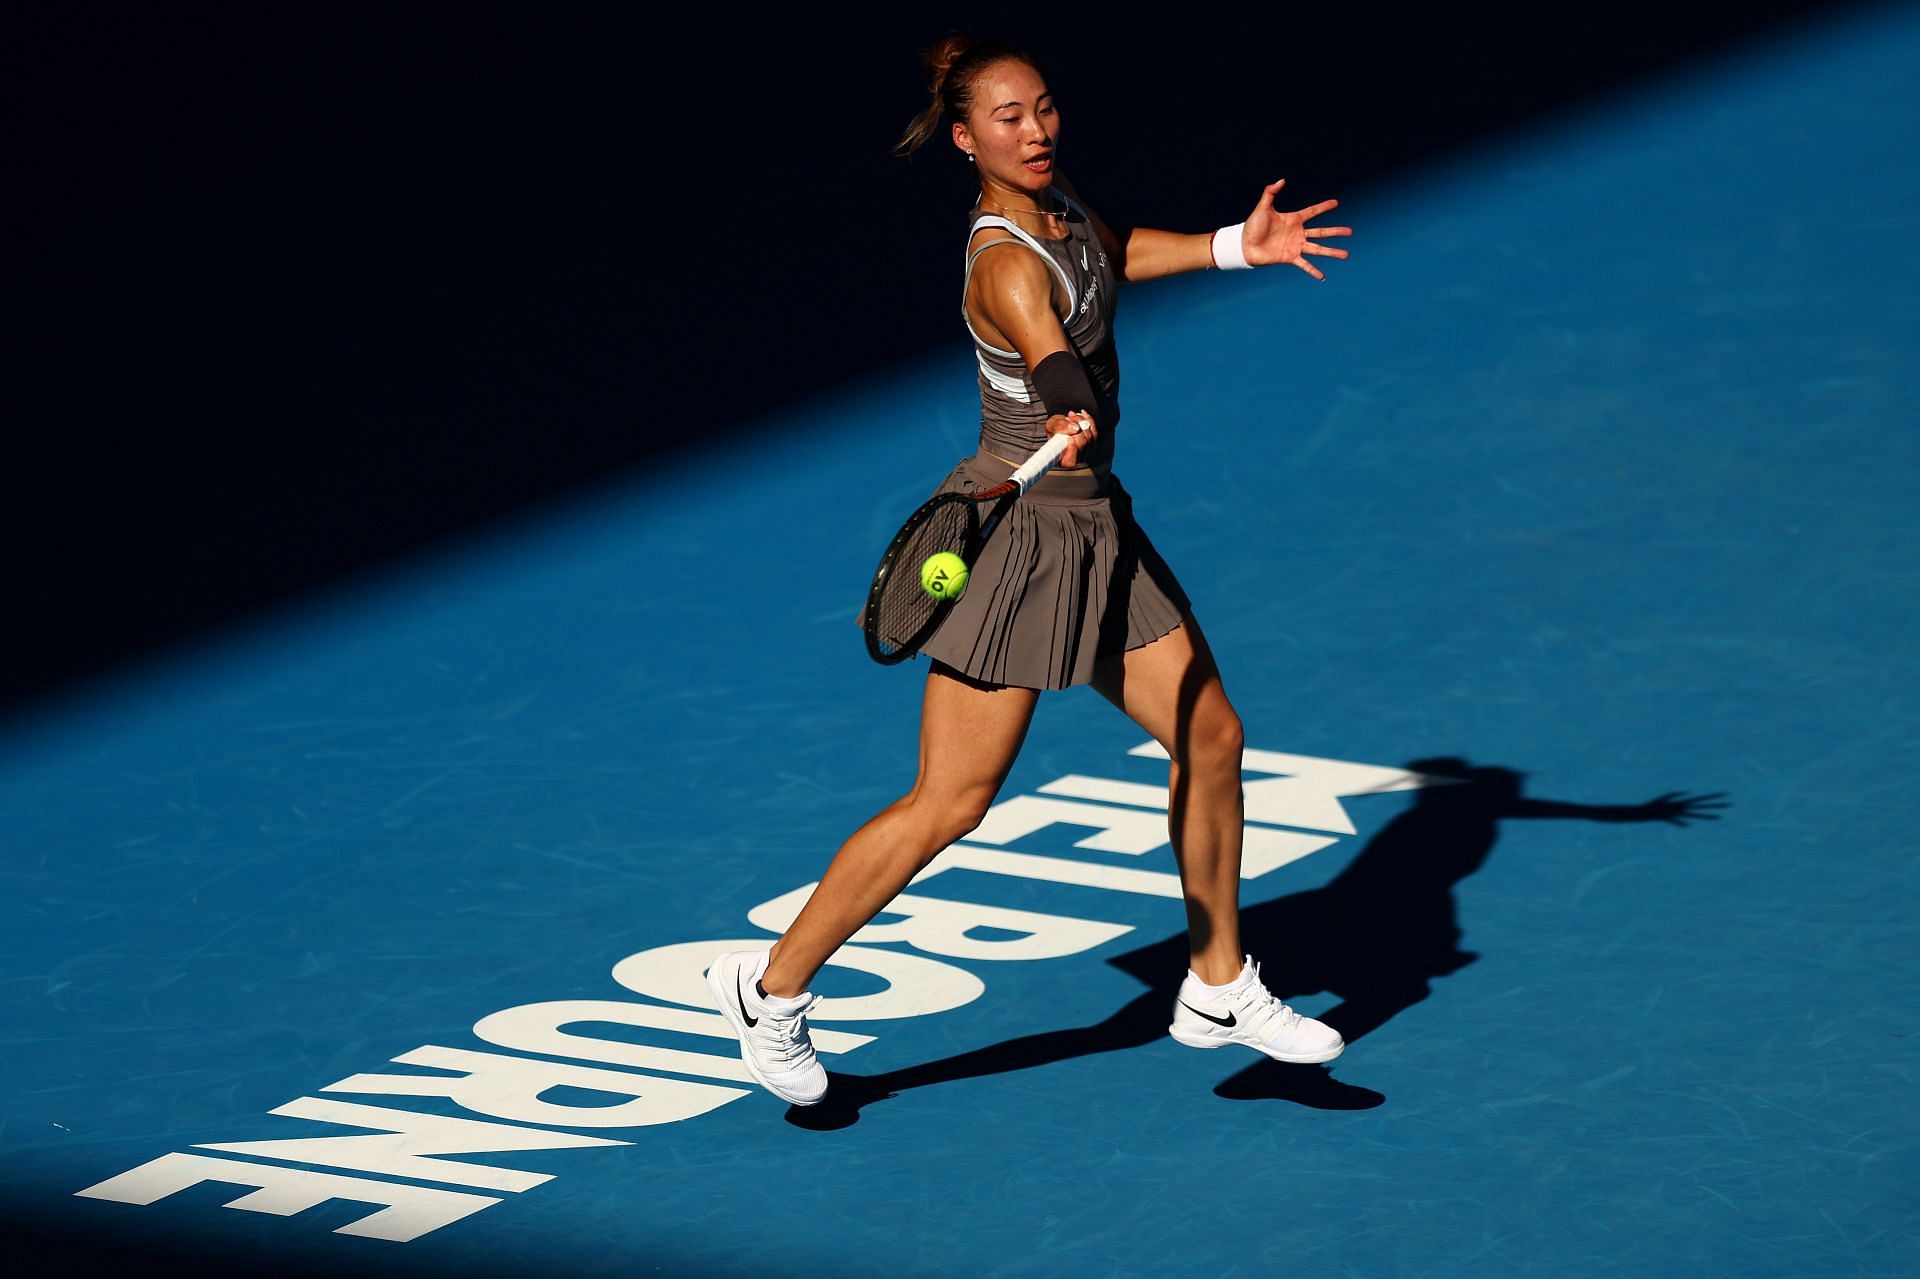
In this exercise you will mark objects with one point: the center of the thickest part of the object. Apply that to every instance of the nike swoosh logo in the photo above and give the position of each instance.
(740, 998)
(1229, 1020)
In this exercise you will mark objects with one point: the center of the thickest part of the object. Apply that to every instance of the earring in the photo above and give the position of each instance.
(969, 157)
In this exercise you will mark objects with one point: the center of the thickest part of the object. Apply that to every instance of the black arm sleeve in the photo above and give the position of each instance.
(1064, 386)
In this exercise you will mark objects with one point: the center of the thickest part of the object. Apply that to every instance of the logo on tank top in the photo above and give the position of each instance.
(1087, 301)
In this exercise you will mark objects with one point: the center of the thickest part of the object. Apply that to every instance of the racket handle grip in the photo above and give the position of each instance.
(1041, 462)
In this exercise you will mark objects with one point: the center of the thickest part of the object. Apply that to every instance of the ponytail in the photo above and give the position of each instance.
(952, 67)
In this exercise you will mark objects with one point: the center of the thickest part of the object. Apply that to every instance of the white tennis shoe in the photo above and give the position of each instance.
(1245, 1012)
(774, 1044)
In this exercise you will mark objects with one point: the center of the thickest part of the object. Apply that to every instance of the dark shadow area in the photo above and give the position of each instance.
(39, 1248)
(1376, 936)
(297, 292)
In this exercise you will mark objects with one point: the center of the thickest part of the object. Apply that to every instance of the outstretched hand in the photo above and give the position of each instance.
(1679, 809)
(1273, 237)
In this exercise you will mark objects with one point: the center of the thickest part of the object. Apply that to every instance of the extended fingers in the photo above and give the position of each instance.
(1321, 250)
(1322, 232)
(1316, 210)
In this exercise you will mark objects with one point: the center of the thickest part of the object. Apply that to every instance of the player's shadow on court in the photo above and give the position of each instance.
(1376, 937)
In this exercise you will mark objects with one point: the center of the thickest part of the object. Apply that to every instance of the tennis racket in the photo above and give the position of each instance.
(900, 616)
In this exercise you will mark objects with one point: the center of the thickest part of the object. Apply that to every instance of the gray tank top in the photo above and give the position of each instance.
(1012, 418)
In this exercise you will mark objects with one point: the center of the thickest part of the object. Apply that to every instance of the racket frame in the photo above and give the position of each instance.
(1000, 497)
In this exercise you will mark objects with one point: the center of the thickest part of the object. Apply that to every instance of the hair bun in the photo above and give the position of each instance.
(953, 65)
(941, 57)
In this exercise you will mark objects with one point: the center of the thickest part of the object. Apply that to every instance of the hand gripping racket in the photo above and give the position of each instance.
(900, 616)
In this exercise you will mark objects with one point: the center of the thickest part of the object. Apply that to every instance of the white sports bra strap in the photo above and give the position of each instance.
(994, 220)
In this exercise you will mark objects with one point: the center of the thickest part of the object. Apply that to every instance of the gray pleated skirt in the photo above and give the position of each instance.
(1067, 578)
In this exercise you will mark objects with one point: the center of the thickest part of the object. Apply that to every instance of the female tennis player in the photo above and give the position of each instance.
(1068, 589)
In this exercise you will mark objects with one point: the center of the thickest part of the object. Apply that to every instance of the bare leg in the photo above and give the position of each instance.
(1172, 689)
(969, 735)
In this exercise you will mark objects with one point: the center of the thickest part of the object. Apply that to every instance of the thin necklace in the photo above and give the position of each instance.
(1039, 213)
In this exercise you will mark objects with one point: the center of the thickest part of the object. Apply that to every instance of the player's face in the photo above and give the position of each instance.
(1012, 129)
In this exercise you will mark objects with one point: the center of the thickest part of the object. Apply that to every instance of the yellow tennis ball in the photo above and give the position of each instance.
(943, 575)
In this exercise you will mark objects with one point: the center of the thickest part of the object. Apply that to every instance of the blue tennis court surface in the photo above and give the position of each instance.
(1591, 478)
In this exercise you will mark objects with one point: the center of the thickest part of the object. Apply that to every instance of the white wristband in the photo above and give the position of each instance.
(1228, 252)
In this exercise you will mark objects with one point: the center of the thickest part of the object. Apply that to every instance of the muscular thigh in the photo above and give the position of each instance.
(970, 732)
(1170, 687)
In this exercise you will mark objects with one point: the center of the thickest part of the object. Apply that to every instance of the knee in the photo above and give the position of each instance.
(1231, 736)
(1214, 738)
(957, 812)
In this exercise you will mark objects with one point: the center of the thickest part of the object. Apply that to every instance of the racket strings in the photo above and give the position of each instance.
(904, 606)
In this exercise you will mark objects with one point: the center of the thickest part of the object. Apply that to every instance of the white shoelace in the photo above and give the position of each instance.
(786, 1034)
(1262, 998)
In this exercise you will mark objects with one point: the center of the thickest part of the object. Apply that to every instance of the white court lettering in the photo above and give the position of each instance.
(916, 985)
(404, 1143)
(941, 927)
(536, 1028)
(1263, 849)
(408, 1211)
(510, 1087)
(1055, 870)
(1307, 790)
(1299, 791)
(1117, 830)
